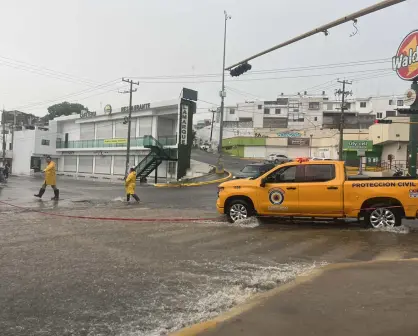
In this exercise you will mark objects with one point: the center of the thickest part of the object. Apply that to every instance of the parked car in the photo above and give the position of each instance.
(254, 170)
(205, 147)
(278, 158)
(319, 159)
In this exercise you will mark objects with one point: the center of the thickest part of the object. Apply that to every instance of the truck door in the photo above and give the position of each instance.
(280, 194)
(320, 191)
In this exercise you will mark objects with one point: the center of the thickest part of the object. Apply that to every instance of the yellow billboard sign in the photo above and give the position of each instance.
(115, 141)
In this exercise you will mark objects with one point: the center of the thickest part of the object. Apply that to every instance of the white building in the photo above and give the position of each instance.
(93, 145)
(305, 112)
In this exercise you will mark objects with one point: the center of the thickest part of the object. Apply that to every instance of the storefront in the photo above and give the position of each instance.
(351, 149)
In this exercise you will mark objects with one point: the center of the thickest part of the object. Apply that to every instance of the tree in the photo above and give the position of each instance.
(63, 109)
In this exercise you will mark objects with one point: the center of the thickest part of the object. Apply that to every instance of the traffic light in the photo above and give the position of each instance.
(383, 121)
(240, 69)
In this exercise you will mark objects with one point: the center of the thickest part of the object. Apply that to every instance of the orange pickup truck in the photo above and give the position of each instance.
(320, 189)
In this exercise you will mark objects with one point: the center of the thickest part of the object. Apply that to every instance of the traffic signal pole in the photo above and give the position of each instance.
(413, 134)
(222, 94)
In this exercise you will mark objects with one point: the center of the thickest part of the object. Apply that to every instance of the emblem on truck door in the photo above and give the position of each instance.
(276, 196)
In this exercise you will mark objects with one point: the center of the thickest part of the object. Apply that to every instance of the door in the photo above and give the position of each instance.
(320, 192)
(280, 195)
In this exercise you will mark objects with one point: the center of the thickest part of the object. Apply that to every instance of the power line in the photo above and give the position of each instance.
(20, 65)
(98, 87)
(306, 68)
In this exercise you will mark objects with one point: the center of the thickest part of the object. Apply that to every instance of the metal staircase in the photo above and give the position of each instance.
(157, 155)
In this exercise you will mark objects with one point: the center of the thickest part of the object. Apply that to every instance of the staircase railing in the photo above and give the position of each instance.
(145, 162)
(156, 146)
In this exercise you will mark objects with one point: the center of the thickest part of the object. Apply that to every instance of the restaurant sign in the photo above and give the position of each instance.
(298, 142)
(115, 141)
(356, 145)
(184, 123)
(289, 134)
(87, 114)
(136, 108)
(405, 62)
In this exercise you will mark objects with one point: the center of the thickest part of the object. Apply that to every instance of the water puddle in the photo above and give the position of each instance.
(249, 223)
(203, 297)
(398, 229)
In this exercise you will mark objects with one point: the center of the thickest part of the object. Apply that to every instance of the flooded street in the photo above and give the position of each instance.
(97, 275)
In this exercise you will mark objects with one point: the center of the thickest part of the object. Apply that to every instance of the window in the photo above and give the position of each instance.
(284, 175)
(379, 115)
(260, 107)
(231, 111)
(10, 146)
(363, 104)
(391, 102)
(314, 105)
(266, 111)
(315, 119)
(45, 142)
(277, 111)
(390, 113)
(330, 107)
(319, 173)
(400, 103)
(282, 101)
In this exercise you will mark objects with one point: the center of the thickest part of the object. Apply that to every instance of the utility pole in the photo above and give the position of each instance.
(213, 120)
(128, 144)
(3, 126)
(222, 94)
(343, 94)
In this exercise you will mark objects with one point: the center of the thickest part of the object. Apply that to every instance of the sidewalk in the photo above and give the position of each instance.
(371, 298)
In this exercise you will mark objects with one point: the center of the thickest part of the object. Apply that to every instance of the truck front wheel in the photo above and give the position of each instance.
(381, 216)
(238, 209)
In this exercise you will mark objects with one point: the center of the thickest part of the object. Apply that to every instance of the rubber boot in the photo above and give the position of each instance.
(135, 196)
(40, 194)
(56, 195)
(128, 197)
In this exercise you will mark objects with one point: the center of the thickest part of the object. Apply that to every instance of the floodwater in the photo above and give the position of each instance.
(80, 276)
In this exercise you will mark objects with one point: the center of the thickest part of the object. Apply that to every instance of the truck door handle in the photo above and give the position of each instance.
(332, 188)
(291, 188)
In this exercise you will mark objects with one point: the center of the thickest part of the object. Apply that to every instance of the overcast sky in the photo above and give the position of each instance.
(87, 43)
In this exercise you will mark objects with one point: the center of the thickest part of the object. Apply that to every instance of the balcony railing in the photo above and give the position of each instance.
(100, 143)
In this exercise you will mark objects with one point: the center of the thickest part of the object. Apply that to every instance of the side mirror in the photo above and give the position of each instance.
(263, 183)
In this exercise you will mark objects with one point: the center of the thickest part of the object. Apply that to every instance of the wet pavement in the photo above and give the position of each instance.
(83, 276)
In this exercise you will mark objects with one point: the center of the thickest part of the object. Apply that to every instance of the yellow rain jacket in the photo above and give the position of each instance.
(50, 174)
(130, 183)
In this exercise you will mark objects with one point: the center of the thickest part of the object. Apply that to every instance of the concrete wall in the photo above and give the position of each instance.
(70, 127)
(398, 150)
(381, 133)
(23, 147)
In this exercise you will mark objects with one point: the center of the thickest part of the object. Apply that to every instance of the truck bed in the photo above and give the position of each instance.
(367, 178)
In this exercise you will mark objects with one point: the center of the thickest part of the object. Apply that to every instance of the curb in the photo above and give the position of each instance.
(257, 299)
(196, 184)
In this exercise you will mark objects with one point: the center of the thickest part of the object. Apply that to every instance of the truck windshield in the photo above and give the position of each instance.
(250, 169)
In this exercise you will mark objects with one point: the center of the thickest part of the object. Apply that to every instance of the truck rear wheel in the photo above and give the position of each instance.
(239, 209)
(381, 216)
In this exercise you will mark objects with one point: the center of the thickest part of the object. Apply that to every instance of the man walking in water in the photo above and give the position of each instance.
(50, 179)
(130, 185)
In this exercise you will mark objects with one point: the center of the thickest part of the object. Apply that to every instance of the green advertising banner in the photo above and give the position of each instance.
(355, 145)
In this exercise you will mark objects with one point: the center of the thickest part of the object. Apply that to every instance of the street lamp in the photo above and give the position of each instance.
(222, 94)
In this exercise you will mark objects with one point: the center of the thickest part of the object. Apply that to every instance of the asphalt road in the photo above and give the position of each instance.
(79, 276)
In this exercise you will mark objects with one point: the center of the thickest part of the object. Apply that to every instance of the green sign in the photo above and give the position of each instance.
(355, 145)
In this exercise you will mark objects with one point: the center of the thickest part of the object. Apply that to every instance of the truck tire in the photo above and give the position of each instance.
(382, 216)
(239, 209)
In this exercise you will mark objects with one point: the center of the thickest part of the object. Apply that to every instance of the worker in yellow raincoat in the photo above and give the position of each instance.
(130, 185)
(50, 179)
